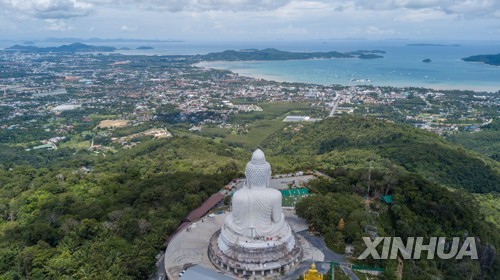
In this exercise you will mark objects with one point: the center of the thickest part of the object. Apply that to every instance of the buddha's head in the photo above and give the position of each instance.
(258, 170)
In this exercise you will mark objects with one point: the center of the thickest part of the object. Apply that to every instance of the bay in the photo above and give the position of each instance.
(401, 66)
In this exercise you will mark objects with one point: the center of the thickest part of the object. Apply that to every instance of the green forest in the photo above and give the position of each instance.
(354, 140)
(486, 141)
(429, 178)
(75, 214)
(419, 208)
(95, 217)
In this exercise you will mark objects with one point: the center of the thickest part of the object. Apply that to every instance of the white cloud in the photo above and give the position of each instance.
(126, 28)
(423, 15)
(249, 19)
(303, 9)
(219, 26)
(291, 30)
(49, 9)
(394, 4)
(233, 5)
(378, 31)
(58, 9)
(462, 8)
(473, 8)
(58, 25)
(54, 9)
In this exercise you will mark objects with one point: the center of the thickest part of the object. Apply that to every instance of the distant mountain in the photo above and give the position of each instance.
(491, 59)
(69, 40)
(144, 48)
(368, 51)
(75, 47)
(369, 56)
(274, 54)
(432, 45)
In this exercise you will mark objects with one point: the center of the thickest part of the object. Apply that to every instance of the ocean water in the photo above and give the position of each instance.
(401, 66)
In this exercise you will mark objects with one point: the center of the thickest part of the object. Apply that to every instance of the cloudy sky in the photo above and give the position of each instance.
(251, 19)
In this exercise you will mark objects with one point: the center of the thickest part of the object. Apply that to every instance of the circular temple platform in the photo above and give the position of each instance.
(190, 247)
(263, 261)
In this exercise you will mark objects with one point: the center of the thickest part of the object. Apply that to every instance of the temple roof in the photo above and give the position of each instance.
(208, 204)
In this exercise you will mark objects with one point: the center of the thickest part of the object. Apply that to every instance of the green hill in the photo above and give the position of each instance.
(417, 208)
(352, 140)
(416, 168)
(75, 47)
(274, 54)
(486, 141)
(82, 215)
(96, 217)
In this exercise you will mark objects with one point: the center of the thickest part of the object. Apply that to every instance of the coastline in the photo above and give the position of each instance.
(256, 73)
(243, 72)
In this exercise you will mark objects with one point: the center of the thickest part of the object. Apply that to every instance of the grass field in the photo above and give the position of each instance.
(272, 110)
(257, 133)
(260, 125)
(112, 123)
(75, 143)
(102, 117)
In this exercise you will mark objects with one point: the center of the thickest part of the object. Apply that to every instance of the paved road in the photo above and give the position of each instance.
(350, 273)
(160, 269)
(319, 242)
(299, 270)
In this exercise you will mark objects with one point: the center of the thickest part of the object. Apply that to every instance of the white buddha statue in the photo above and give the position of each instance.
(256, 209)
(255, 237)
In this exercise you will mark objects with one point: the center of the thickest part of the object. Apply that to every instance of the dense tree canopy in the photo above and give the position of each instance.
(79, 214)
(416, 150)
(64, 221)
(419, 208)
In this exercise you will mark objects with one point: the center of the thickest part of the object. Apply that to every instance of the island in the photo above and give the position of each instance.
(144, 48)
(75, 47)
(124, 49)
(369, 56)
(369, 51)
(427, 60)
(432, 45)
(118, 40)
(274, 54)
(491, 59)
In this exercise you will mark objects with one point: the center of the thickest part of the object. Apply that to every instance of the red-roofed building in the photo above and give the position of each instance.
(198, 213)
(207, 205)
